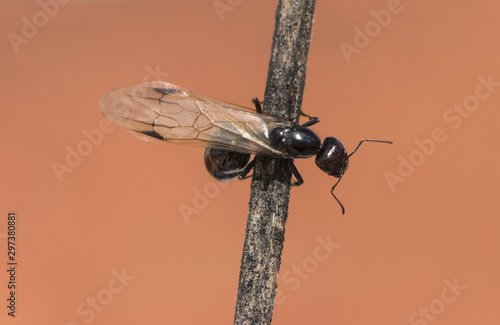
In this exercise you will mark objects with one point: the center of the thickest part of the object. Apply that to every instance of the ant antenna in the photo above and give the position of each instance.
(368, 140)
(352, 153)
(333, 187)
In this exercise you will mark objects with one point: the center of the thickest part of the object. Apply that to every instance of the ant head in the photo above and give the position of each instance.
(332, 157)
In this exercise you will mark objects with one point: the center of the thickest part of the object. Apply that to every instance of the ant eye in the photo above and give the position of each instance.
(332, 158)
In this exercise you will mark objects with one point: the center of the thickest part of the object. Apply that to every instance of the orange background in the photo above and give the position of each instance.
(118, 209)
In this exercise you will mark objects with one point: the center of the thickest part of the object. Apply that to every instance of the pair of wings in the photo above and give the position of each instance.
(173, 114)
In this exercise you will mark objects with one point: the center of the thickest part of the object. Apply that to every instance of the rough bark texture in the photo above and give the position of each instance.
(270, 190)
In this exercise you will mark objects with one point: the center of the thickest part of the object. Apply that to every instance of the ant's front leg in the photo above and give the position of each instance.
(312, 120)
(258, 107)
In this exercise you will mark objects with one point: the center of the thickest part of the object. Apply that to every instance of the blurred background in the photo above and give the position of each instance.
(115, 230)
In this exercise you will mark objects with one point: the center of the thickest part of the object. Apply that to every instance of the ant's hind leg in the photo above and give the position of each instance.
(248, 168)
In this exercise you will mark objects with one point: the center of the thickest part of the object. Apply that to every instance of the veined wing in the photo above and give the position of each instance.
(173, 114)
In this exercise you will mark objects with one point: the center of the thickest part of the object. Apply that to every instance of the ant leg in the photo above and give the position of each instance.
(270, 171)
(244, 173)
(312, 121)
(333, 187)
(306, 115)
(299, 180)
(258, 107)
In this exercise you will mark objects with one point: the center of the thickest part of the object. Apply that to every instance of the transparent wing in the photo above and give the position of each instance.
(173, 114)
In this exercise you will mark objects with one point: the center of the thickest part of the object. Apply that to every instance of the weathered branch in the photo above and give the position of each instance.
(270, 190)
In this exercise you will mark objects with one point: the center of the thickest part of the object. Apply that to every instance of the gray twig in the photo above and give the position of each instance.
(270, 191)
